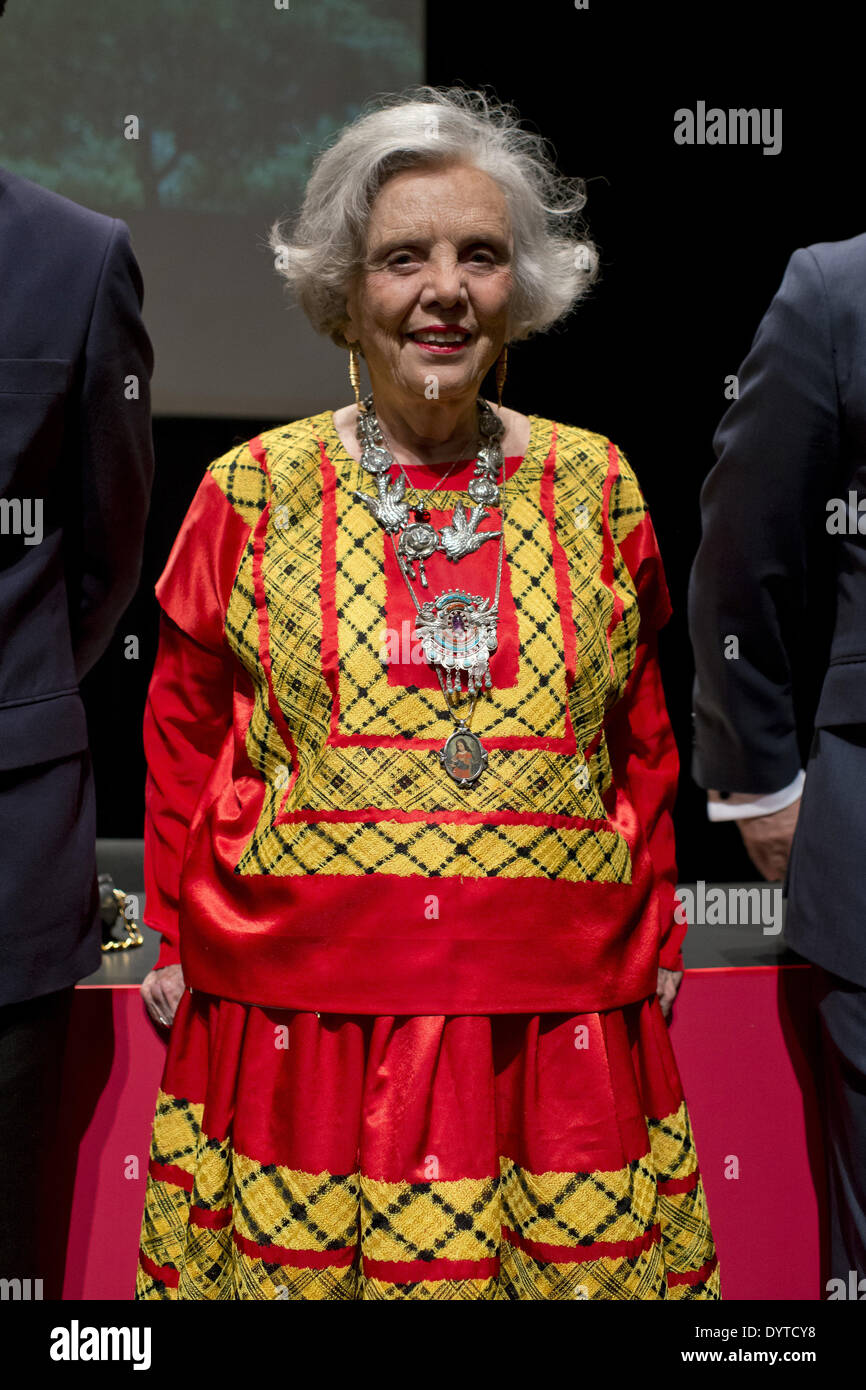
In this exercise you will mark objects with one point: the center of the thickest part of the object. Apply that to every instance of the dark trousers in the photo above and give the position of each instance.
(841, 1009)
(32, 1044)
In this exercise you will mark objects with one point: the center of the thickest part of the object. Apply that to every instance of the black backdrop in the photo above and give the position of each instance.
(694, 242)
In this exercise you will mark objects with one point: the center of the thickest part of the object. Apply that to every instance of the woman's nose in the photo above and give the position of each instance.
(445, 283)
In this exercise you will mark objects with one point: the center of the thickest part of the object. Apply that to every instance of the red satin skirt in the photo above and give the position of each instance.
(300, 1156)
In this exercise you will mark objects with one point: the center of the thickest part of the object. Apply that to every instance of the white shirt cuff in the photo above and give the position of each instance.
(758, 804)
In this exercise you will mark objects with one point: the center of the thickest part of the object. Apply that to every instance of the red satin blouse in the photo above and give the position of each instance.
(305, 849)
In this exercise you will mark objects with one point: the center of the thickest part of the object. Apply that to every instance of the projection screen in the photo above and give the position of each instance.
(197, 121)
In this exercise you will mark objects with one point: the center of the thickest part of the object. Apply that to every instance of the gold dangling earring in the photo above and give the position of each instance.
(354, 372)
(501, 369)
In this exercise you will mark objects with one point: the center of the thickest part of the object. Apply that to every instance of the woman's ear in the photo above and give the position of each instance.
(349, 331)
(350, 335)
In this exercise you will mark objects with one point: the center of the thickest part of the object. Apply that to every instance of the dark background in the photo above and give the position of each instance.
(694, 242)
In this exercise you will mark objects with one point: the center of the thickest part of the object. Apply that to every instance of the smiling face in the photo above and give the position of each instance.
(439, 255)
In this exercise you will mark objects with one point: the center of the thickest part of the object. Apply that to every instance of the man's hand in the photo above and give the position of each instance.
(668, 983)
(162, 991)
(768, 840)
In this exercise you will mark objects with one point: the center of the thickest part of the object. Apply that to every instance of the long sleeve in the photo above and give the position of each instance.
(115, 448)
(187, 715)
(642, 746)
(652, 768)
(747, 805)
(189, 708)
(777, 447)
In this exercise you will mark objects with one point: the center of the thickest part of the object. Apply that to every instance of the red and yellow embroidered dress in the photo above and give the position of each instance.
(422, 1054)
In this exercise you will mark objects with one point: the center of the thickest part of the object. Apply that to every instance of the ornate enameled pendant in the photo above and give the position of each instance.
(457, 633)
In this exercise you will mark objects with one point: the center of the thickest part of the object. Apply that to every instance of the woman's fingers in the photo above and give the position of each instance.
(162, 991)
(152, 996)
(172, 991)
(667, 986)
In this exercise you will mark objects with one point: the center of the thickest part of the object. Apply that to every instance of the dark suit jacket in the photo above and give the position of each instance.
(770, 573)
(73, 438)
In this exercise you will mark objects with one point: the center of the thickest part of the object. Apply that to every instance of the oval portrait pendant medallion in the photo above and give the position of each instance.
(462, 755)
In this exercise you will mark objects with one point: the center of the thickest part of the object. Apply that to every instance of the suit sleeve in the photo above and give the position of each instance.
(642, 746)
(115, 451)
(189, 708)
(761, 504)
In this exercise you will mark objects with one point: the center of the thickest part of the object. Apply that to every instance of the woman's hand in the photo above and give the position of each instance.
(162, 991)
(668, 983)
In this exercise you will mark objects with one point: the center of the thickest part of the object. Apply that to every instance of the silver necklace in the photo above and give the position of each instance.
(457, 629)
(458, 632)
(419, 538)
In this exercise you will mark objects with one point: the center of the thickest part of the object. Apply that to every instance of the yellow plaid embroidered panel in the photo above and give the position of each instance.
(292, 1234)
(318, 697)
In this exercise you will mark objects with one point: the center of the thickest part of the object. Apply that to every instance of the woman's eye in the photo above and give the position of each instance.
(406, 257)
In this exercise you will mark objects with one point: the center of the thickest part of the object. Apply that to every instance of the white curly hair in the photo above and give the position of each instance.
(322, 251)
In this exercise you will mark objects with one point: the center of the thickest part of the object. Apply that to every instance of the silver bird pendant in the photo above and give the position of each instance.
(462, 537)
(388, 508)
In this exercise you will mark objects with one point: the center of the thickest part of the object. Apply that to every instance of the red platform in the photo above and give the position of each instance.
(746, 1050)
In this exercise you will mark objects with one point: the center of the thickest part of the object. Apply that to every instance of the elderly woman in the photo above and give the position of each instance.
(408, 836)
